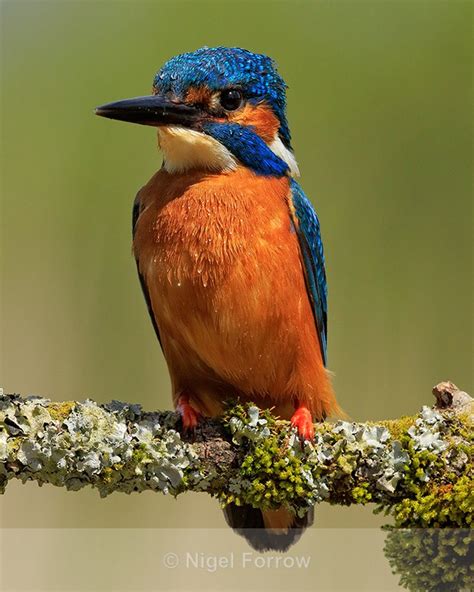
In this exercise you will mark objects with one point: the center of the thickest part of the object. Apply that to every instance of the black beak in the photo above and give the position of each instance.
(153, 110)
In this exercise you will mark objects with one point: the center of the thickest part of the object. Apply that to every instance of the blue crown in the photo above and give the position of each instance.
(221, 67)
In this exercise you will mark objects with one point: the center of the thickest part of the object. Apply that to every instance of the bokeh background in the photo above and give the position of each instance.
(380, 112)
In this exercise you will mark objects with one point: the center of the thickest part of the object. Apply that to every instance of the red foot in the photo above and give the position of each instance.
(303, 422)
(189, 416)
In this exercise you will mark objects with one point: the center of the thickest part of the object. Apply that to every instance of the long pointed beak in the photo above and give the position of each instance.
(153, 110)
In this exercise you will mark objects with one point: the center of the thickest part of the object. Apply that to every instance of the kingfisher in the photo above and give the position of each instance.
(229, 254)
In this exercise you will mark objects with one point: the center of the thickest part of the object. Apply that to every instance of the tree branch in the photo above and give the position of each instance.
(418, 468)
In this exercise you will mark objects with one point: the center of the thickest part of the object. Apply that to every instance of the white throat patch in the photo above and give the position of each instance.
(184, 149)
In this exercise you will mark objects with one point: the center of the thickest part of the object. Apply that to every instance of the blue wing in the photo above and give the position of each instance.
(307, 229)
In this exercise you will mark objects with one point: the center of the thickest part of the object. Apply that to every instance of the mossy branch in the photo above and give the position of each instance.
(418, 468)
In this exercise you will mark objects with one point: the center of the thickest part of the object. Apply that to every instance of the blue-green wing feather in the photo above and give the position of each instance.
(309, 236)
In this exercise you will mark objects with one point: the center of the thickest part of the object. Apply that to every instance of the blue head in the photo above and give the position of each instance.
(216, 108)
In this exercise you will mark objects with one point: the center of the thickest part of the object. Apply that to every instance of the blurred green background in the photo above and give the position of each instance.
(380, 112)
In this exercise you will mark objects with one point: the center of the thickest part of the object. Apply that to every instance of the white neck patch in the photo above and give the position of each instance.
(278, 148)
(184, 149)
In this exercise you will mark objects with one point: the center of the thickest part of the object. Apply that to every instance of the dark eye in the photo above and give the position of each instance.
(231, 99)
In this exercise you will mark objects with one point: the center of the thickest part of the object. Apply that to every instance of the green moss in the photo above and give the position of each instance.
(274, 477)
(107, 475)
(423, 478)
(14, 444)
(270, 474)
(234, 409)
(346, 463)
(430, 496)
(60, 411)
(361, 494)
(396, 427)
(431, 560)
(141, 455)
(462, 427)
(467, 417)
(450, 505)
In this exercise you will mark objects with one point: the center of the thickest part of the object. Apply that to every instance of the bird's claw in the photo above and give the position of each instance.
(189, 416)
(303, 422)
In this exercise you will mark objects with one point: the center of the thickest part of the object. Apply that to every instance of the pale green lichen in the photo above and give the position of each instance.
(355, 463)
(396, 427)
(115, 447)
(419, 470)
(437, 485)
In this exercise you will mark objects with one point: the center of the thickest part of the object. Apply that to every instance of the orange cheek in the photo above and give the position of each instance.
(261, 118)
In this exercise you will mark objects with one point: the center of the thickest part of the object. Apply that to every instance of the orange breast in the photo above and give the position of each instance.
(222, 267)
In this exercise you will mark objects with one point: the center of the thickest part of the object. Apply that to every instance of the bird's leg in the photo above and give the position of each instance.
(302, 420)
(189, 416)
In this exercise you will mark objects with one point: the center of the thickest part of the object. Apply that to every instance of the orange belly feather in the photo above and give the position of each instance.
(226, 284)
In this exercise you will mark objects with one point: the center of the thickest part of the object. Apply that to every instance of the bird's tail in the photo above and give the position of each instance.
(269, 530)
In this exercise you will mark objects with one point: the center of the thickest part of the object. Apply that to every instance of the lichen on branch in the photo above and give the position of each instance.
(420, 469)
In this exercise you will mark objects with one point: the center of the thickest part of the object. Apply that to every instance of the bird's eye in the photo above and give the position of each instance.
(231, 99)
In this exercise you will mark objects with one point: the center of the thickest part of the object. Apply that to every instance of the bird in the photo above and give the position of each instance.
(229, 254)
